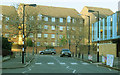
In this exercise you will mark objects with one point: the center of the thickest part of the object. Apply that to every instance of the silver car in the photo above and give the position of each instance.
(48, 51)
(65, 52)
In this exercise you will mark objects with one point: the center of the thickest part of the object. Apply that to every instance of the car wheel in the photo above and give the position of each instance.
(53, 53)
(41, 53)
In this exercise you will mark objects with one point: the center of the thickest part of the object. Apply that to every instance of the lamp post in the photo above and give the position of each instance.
(98, 34)
(23, 50)
(88, 33)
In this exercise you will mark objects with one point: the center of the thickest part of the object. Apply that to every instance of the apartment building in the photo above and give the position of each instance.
(47, 25)
(9, 22)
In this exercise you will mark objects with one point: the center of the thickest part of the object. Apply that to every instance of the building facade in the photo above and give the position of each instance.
(9, 22)
(49, 25)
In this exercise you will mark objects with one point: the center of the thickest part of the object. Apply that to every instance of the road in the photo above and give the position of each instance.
(56, 64)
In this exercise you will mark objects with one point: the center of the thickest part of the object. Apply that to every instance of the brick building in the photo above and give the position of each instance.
(9, 22)
(47, 25)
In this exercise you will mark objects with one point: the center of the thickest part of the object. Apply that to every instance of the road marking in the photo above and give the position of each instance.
(74, 71)
(50, 63)
(85, 63)
(73, 63)
(62, 63)
(110, 69)
(67, 67)
(38, 63)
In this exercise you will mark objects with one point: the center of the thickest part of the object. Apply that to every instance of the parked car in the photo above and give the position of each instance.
(65, 52)
(48, 51)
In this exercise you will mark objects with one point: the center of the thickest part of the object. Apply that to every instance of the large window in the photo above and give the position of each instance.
(6, 35)
(45, 27)
(53, 27)
(61, 20)
(61, 28)
(31, 35)
(45, 35)
(45, 18)
(68, 27)
(6, 27)
(60, 36)
(39, 35)
(53, 19)
(52, 35)
(38, 43)
(39, 17)
(0, 26)
(73, 20)
(68, 19)
(7, 18)
(1, 16)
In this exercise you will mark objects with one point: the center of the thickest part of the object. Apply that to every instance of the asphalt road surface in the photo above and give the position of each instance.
(57, 64)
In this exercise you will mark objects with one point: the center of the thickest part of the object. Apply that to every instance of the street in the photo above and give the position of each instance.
(56, 64)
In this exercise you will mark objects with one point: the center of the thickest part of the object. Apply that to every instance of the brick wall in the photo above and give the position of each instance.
(105, 49)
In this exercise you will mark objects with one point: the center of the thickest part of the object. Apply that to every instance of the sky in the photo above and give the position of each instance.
(76, 4)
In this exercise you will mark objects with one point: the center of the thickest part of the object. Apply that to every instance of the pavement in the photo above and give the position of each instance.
(13, 63)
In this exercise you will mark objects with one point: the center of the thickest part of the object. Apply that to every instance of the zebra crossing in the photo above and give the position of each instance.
(61, 63)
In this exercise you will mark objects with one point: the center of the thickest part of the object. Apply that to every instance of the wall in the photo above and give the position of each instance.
(107, 49)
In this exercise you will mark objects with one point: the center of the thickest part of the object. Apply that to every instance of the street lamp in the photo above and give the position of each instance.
(23, 50)
(91, 11)
(88, 33)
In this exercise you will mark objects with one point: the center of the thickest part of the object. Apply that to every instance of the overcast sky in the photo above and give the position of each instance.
(77, 4)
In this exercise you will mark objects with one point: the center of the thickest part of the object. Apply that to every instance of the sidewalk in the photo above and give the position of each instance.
(14, 63)
(97, 63)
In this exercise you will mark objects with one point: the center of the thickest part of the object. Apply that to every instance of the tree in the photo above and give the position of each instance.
(29, 42)
(63, 41)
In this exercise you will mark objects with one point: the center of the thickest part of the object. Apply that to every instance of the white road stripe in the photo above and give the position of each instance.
(50, 63)
(74, 71)
(62, 63)
(38, 63)
(73, 63)
(85, 63)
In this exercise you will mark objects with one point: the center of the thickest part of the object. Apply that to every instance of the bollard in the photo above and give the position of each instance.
(82, 56)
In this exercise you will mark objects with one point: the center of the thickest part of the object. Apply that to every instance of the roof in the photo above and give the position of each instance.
(52, 11)
(8, 10)
(104, 12)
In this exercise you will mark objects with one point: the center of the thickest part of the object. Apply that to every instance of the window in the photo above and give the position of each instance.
(53, 27)
(73, 36)
(45, 35)
(39, 17)
(68, 36)
(61, 27)
(7, 18)
(73, 28)
(53, 43)
(52, 35)
(45, 18)
(31, 34)
(61, 20)
(6, 35)
(68, 19)
(67, 27)
(31, 17)
(38, 43)
(73, 20)
(53, 19)
(39, 26)
(45, 27)
(1, 16)
(39, 35)
(46, 43)
(0, 26)
(6, 27)
(60, 36)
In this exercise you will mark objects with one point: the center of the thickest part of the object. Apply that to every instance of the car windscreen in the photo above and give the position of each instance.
(65, 50)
